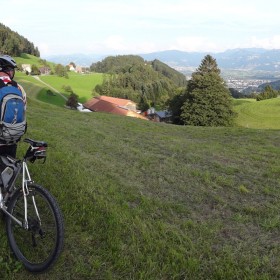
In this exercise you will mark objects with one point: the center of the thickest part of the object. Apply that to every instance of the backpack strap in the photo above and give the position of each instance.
(2, 84)
(12, 83)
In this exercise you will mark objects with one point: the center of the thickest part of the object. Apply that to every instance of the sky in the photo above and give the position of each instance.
(59, 27)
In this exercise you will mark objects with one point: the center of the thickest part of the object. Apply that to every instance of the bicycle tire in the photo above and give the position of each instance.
(38, 247)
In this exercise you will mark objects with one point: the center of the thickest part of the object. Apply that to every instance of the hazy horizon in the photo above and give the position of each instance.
(124, 26)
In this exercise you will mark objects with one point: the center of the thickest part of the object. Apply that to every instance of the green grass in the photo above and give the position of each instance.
(143, 200)
(258, 114)
(82, 85)
(32, 60)
(39, 91)
(79, 84)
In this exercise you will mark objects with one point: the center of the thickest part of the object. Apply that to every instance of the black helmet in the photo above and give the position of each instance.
(7, 65)
(7, 61)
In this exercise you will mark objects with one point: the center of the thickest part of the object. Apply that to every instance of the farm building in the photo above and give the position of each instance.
(113, 105)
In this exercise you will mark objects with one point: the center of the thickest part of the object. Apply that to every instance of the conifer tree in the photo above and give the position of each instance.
(207, 101)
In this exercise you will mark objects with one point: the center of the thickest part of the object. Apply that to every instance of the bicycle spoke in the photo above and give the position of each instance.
(41, 242)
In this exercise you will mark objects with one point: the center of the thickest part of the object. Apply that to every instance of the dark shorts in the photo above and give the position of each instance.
(8, 150)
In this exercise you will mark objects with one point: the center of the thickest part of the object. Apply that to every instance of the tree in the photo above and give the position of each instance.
(175, 106)
(267, 93)
(35, 70)
(143, 104)
(61, 71)
(207, 100)
(73, 64)
(235, 93)
(72, 101)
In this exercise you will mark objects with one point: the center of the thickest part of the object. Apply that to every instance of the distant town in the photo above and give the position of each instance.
(241, 84)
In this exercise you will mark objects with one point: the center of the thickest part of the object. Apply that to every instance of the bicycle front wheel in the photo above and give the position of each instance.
(39, 246)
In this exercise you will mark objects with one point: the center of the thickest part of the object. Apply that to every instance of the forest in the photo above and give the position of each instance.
(14, 44)
(148, 83)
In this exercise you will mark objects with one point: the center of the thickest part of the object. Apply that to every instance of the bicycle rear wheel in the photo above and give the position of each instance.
(39, 246)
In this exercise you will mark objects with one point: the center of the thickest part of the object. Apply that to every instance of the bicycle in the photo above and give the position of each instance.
(34, 222)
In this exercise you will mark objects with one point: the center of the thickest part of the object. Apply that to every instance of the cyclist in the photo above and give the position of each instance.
(7, 72)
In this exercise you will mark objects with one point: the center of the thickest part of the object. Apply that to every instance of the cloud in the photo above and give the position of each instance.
(43, 48)
(267, 43)
(122, 45)
(115, 42)
(145, 26)
(194, 43)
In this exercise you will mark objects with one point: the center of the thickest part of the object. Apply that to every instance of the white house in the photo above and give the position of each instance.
(26, 68)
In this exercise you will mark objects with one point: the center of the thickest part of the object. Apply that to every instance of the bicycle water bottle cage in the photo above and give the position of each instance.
(36, 150)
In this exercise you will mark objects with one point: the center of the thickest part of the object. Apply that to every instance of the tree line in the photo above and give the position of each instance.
(267, 93)
(14, 44)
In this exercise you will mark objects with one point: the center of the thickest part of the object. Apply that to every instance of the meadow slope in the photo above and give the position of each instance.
(263, 114)
(143, 200)
(82, 84)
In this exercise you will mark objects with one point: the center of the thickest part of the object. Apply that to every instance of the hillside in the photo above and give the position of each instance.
(15, 44)
(82, 85)
(147, 83)
(254, 60)
(25, 58)
(275, 85)
(263, 114)
(151, 201)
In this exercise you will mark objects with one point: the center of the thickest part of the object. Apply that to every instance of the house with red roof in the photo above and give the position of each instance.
(113, 105)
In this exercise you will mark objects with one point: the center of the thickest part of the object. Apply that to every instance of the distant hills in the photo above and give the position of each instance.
(239, 59)
(253, 60)
(78, 58)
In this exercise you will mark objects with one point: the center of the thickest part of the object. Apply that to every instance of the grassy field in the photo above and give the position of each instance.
(258, 114)
(81, 84)
(36, 90)
(32, 60)
(143, 200)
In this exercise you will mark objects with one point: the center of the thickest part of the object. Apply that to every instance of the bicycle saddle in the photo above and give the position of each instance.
(35, 143)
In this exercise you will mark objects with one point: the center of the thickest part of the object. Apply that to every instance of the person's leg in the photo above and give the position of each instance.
(8, 150)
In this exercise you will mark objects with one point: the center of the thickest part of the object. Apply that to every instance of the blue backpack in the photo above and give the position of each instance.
(12, 113)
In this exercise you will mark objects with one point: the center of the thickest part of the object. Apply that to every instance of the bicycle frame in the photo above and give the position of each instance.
(26, 179)
(36, 240)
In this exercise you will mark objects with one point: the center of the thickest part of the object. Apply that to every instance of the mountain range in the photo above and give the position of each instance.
(247, 59)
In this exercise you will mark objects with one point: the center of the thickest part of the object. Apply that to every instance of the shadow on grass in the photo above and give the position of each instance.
(48, 96)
